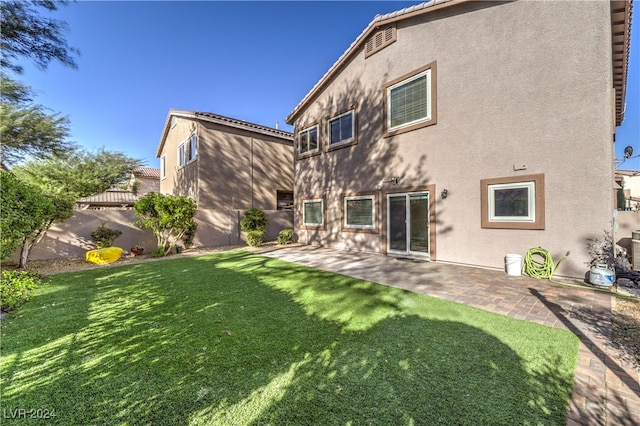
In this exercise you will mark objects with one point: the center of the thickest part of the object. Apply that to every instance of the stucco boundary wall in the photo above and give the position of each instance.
(222, 227)
(72, 238)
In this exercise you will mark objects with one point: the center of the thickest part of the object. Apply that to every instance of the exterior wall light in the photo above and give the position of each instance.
(444, 193)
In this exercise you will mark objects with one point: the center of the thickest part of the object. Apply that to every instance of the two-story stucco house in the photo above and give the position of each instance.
(458, 131)
(227, 166)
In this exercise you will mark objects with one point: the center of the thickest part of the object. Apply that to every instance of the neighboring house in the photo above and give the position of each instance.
(628, 190)
(111, 199)
(143, 179)
(458, 131)
(227, 166)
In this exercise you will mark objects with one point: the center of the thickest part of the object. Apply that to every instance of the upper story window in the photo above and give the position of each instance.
(410, 101)
(341, 129)
(308, 140)
(187, 151)
(181, 156)
(192, 148)
(163, 167)
(380, 39)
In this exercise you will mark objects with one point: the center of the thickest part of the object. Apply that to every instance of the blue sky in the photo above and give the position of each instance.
(248, 60)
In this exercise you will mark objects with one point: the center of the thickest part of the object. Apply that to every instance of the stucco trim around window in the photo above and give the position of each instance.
(349, 197)
(391, 91)
(533, 213)
(340, 118)
(305, 138)
(305, 203)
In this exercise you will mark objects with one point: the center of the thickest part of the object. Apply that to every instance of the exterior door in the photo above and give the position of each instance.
(408, 223)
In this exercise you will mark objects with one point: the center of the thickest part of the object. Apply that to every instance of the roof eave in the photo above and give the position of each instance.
(621, 13)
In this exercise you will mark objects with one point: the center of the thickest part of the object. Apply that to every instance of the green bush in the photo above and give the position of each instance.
(285, 236)
(15, 288)
(104, 236)
(158, 252)
(254, 220)
(255, 238)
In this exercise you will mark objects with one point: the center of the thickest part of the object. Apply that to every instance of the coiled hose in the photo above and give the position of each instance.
(538, 263)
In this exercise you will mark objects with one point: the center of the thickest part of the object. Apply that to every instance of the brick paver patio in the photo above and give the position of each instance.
(606, 387)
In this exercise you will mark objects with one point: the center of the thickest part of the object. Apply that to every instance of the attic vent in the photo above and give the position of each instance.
(381, 38)
(174, 121)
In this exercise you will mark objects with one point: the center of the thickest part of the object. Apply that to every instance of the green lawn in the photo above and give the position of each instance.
(240, 339)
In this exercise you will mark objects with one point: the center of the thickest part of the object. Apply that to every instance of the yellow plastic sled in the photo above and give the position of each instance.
(105, 255)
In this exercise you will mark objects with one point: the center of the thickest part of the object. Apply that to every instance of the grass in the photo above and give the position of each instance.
(240, 339)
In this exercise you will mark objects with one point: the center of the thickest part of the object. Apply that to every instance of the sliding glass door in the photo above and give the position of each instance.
(408, 223)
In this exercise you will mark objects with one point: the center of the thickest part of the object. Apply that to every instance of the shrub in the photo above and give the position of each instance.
(189, 235)
(254, 220)
(255, 238)
(158, 252)
(104, 236)
(285, 236)
(15, 288)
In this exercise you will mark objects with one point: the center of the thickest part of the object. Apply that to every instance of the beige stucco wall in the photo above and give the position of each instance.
(217, 227)
(72, 238)
(519, 85)
(240, 169)
(235, 169)
(180, 181)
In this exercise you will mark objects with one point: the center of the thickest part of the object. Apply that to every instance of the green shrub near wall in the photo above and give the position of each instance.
(15, 288)
(285, 236)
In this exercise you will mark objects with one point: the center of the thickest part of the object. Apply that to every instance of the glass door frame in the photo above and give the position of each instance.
(430, 213)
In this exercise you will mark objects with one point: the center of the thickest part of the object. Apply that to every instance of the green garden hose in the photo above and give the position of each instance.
(538, 263)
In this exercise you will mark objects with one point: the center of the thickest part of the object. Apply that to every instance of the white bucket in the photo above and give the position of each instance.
(513, 264)
(601, 276)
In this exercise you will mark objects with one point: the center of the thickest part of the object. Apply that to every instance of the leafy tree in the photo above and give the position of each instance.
(25, 33)
(29, 130)
(27, 214)
(168, 216)
(84, 173)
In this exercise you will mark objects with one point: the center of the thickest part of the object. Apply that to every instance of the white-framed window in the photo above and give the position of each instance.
(181, 155)
(410, 101)
(512, 202)
(192, 148)
(360, 212)
(341, 129)
(313, 212)
(308, 140)
(187, 151)
(163, 167)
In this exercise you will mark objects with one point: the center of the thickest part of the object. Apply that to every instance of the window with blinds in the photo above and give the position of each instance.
(359, 212)
(380, 39)
(410, 101)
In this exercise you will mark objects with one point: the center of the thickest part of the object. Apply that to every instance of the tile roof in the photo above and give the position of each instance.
(146, 172)
(224, 121)
(113, 196)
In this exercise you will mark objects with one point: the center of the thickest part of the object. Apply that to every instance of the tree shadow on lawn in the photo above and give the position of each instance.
(239, 339)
